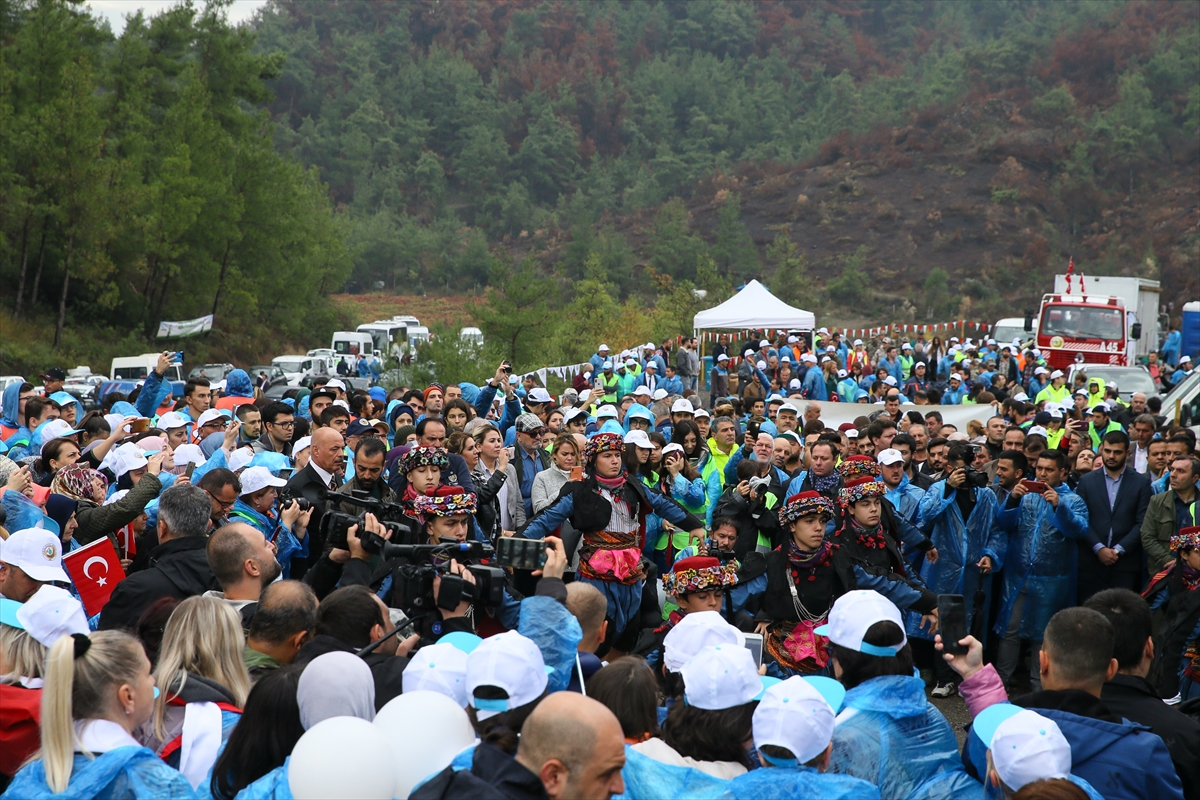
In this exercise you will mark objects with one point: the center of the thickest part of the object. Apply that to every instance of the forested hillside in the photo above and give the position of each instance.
(895, 155)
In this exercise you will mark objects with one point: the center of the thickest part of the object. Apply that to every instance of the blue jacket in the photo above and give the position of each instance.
(126, 773)
(483, 404)
(11, 405)
(154, 391)
(954, 397)
(889, 735)
(960, 544)
(814, 385)
(1041, 559)
(764, 784)
(1170, 348)
(237, 384)
(671, 385)
(894, 368)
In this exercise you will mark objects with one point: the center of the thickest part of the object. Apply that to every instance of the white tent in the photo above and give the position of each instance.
(755, 307)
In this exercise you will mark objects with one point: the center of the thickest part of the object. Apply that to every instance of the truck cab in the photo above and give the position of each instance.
(1094, 327)
(353, 343)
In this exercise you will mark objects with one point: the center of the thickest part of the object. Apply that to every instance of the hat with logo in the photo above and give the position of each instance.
(256, 479)
(209, 416)
(54, 374)
(240, 458)
(639, 439)
(852, 616)
(359, 427)
(56, 429)
(507, 661)
(37, 552)
(606, 412)
(1026, 746)
(682, 406)
(172, 420)
(722, 676)
(890, 456)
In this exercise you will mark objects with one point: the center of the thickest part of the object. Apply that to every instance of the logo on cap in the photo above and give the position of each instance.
(49, 552)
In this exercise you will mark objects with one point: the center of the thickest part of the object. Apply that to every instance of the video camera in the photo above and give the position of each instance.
(421, 563)
(336, 523)
(975, 477)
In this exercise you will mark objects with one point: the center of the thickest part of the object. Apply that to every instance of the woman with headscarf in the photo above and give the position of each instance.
(338, 684)
(609, 508)
(89, 488)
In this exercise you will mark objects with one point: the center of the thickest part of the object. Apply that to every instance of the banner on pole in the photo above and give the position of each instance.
(187, 327)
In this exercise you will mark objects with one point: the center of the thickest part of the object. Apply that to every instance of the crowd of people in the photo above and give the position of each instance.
(629, 589)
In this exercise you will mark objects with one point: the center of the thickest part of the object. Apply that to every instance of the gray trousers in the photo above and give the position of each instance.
(1008, 652)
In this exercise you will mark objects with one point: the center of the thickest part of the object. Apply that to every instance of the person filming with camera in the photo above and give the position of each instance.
(958, 514)
(285, 526)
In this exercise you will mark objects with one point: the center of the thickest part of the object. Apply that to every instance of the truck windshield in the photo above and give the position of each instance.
(1081, 322)
(345, 347)
(290, 366)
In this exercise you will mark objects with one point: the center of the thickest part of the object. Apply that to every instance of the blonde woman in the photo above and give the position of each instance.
(21, 661)
(203, 684)
(98, 691)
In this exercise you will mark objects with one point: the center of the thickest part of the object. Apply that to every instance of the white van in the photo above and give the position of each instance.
(352, 343)
(1009, 328)
(295, 368)
(136, 368)
(472, 335)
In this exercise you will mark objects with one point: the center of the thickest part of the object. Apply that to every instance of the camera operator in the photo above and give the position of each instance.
(286, 526)
(959, 513)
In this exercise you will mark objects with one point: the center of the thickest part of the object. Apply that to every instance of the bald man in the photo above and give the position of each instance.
(571, 747)
(323, 474)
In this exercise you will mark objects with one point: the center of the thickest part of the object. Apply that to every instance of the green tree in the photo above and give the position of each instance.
(852, 287)
(515, 316)
(936, 293)
(789, 281)
(734, 251)
(674, 248)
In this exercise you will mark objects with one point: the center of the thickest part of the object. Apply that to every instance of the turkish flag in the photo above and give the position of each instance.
(95, 570)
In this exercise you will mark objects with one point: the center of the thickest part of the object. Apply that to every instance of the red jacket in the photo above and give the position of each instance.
(20, 721)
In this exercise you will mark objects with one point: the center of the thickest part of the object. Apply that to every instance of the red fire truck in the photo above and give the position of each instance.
(1088, 328)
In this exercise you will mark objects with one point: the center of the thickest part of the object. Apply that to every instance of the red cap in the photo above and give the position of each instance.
(695, 562)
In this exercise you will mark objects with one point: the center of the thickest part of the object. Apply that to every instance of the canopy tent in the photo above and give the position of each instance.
(754, 307)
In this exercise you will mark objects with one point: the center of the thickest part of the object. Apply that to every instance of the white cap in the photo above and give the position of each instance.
(606, 365)
(890, 456)
(440, 668)
(1055, 413)
(788, 407)
(1058, 373)
(954, 338)
(852, 433)
(188, 454)
(1042, 371)
(642, 391)
(257, 478)
(809, 358)
(240, 458)
(116, 422)
(639, 439)
(1026, 746)
(606, 411)
(572, 413)
(748, 354)
(761, 365)
(792, 340)
(508, 661)
(172, 420)
(764, 343)
(794, 715)
(1021, 397)
(125, 458)
(702, 412)
(794, 383)
(1100, 407)
(336, 383)
(648, 346)
(890, 380)
(991, 341)
(825, 358)
(602, 347)
(682, 406)
(1039, 430)
(651, 365)
(722, 357)
(538, 395)
(672, 447)
(56, 429)
(208, 416)
(906, 346)
(49, 615)
(629, 362)
(854, 613)
(659, 394)
(1185, 359)
(858, 342)
(823, 330)
(775, 398)
(954, 376)
(38, 553)
(721, 676)
(693, 633)
(842, 373)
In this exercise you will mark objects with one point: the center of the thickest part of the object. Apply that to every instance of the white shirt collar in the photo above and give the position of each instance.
(101, 736)
(326, 477)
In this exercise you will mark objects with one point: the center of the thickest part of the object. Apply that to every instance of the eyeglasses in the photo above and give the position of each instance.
(290, 424)
(224, 506)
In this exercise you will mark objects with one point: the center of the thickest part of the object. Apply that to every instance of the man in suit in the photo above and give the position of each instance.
(324, 473)
(1110, 556)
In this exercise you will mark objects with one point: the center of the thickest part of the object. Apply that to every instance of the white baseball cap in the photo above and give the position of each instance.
(642, 391)
(606, 411)
(795, 715)
(629, 362)
(116, 422)
(1041, 371)
(722, 357)
(702, 412)
(682, 406)
(240, 458)
(763, 343)
(508, 661)
(440, 668)
(890, 380)
(188, 454)
(606, 365)
(794, 383)
(890, 456)
(651, 365)
(825, 358)
(1058, 373)
(693, 633)
(1021, 397)
(761, 365)
(172, 420)
(809, 358)
(50, 614)
(854, 613)
(748, 354)
(722, 676)
(788, 407)
(792, 340)
(538, 395)
(1026, 746)
(38, 553)
(858, 342)
(335, 384)
(256, 478)
(852, 433)
(56, 429)
(127, 457)
(659, 394)
(639, 439)
(1039, 431)
(842, 373)
(672, 447)
(1185, 359)
(208, 416)
(572, 413)
(1055, 413)
(602, 347)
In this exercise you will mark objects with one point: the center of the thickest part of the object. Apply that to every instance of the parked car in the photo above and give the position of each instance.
(84, 389)
(214, 372)
(1127, 379)
(273, 372)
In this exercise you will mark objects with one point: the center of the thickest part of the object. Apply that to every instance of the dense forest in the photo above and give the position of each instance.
(582, 160)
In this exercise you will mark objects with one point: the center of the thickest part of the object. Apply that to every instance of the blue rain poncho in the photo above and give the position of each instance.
(960, 547)
(126, 773)
(237, 384)
(556, 632)
(638, 411)
(68, 399)
(1041, 558)
(272, 786)
(802, 782)
(647, 779)
(888, 734)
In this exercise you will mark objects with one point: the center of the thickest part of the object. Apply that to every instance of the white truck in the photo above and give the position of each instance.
(352, 343)
(1141, 297)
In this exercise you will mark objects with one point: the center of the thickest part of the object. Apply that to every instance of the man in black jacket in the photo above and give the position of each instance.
(348, 620)
(178, 565)
(1110, 557)
(1131, 696)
